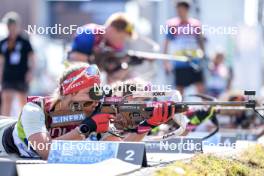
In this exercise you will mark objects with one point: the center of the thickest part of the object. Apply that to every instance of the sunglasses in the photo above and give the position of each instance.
(87, 103)
(78, 106)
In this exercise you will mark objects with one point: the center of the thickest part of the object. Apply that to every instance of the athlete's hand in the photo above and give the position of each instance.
(99, 122)
(160, 114)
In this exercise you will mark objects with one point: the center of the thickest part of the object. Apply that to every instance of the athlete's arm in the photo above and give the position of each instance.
(167, 65)
(200, 40)
(44, 138)
(98, 123)
(33, 122)
(166, 45)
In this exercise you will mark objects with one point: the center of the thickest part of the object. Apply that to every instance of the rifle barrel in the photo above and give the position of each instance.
(212, 103)
(157, 56)
(239, 108)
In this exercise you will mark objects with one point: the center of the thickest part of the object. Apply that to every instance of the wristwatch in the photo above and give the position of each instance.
(84, 130)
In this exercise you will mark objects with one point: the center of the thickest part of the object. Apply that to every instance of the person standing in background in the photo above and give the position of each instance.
(180, 43)
(220, 76)
(17, 63)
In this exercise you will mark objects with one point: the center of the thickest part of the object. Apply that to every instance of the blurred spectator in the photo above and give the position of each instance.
(190, 44)
(99, 44)
(17, 63)
(93, 38)
(235, 118)
(220, 76)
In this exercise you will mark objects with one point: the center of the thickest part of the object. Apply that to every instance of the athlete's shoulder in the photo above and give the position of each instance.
(194, 22)
(32, 107)
(32, 115)
(32, 119)
(38, 102)
(176, 96)
(84, 40)
(173, 21)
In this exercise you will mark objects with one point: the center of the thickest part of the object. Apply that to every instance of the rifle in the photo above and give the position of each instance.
(135, 112)
(119, 104)
(111, 61)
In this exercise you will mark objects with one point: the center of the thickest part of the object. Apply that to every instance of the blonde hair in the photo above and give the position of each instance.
(121, 22)
(70, 68)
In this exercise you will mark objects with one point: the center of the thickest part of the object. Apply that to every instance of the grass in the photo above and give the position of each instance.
(249, 163)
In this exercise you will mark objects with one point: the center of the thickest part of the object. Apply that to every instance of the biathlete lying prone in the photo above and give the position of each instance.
(35, 124)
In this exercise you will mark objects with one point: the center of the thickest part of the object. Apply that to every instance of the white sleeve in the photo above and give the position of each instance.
(33, 119)
(176, 96)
